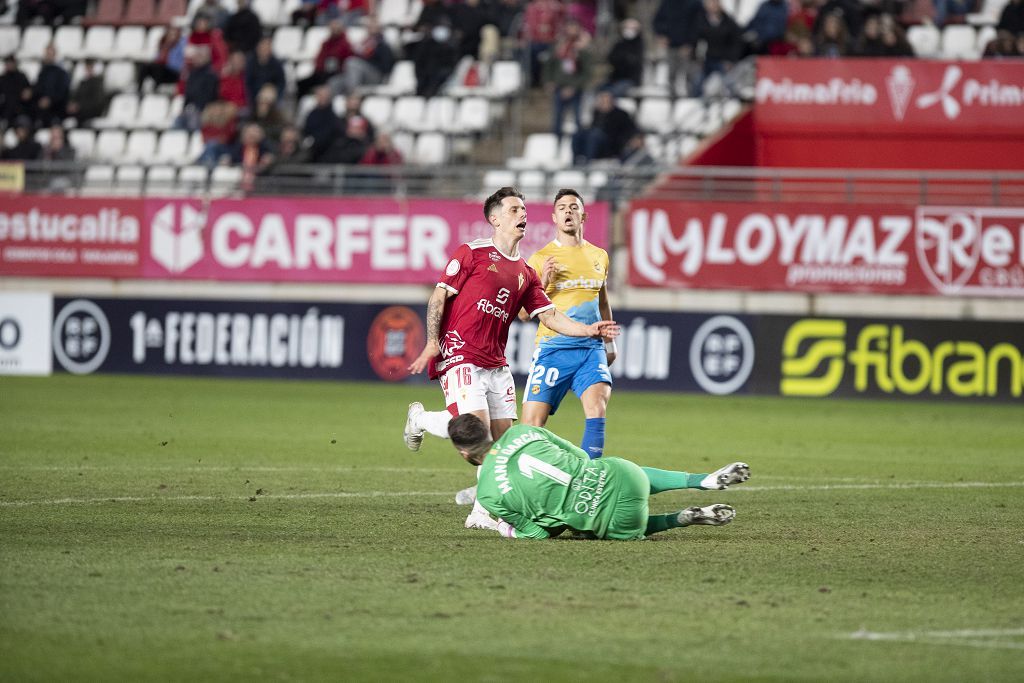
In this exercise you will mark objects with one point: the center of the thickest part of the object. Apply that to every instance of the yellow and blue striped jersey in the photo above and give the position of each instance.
(574, 289)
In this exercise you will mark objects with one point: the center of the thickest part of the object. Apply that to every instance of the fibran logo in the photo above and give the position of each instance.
(950, 105)
(176, 238)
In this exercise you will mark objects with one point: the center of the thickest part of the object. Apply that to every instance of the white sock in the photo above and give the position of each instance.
(435, 422)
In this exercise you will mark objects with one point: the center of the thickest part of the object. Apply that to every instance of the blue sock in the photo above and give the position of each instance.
(593, 437)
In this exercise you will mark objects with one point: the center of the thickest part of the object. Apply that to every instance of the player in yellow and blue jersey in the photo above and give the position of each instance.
(574, 274)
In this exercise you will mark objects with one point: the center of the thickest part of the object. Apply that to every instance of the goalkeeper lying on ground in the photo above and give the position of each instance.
(537, 483)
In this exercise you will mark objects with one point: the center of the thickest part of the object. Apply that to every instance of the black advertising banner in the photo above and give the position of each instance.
(658, 350)
(886, 358)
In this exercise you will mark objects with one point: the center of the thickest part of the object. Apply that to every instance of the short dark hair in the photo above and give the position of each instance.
(499, 196)
(468, 431)
(567, 192)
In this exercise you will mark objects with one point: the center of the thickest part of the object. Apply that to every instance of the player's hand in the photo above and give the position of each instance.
(547, 273)
(604, 329)
(420, 364)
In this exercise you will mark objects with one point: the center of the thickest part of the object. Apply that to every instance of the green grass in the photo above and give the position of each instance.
(134, 544)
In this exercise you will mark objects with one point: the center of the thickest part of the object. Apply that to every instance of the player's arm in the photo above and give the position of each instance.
(515, 525)
(435, 311)
(605, 307)
(561, 323)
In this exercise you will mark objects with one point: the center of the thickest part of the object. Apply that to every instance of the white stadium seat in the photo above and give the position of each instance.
(129, 179)
(195, 147)
(140, 146)
(34, 40)
(121, 113)
(99, 42)
(687, 113)
(287, 42)
(655, 114)
(269, 11)
(225, 179)
(439, 115)
(153, 38)
(498, 178)
(160, 180)
(192, 179)
(42, 136)
(119, 76)
(408, 113)
(82, 140)
(925, 39)
(311, 43)
(171, 148)
(130, 43)
(531, 182)
(109, 145)
(539, 151)
(378, 110)
(959, 41)
(506, 78)
(30, 67)
(154, 112)
(405, 143)
(474, 115)
(99, 180)
(10, 39)
(431, 149)
(402, 80)
(67, 41)
(571, 178)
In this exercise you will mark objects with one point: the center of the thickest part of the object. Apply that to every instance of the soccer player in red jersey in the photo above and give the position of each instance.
(469, 313)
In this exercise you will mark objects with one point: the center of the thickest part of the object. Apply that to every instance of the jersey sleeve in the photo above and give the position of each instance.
(536, 262)
(457, 270)
(524, 528)
(535, 300)
(564, 445)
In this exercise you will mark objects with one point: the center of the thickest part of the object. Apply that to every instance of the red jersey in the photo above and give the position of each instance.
(489, 290)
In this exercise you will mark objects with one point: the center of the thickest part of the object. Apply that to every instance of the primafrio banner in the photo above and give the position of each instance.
(262, 239)
(896, 96)
(936, 250)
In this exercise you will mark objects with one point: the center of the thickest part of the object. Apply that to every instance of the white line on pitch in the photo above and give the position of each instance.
(984, 638)
(400, 494)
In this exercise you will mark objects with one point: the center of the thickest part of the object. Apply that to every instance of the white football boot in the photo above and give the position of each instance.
(724, 477)
(413, 436)
(466, 496)
(713, 515)
(479, 518)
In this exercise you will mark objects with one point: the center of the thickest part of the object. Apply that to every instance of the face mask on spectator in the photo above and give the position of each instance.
(441, 34)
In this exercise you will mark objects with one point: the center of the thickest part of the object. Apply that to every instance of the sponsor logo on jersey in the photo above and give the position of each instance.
(443, 365)
(452, 268)
(522, 279)
(488, 308)
(581, 283)
(451, 343)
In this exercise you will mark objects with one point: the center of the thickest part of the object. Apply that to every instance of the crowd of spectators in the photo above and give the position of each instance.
(235, 91)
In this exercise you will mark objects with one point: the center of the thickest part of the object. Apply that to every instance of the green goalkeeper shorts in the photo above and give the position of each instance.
(629, 513)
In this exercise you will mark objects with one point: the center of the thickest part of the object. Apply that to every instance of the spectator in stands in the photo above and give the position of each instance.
(50, 12)
(851, 12)
(635, 154)
(25, 146)
(322, 124)
(201, 88)
(51, 90)
(204, 34)
(722, 40)
(636, 169)
(370, 63)
(675, 25)
(542, 22)
(263, 68)
(507, 16)
(243, 29)
(895, 40)
(951, 11)
(350, 147)
(15, 92)
(1011, 19)
(567, 73)
(382, 152)
(435, 58)
(767, 26)
(881, 37)
(219, 126)
(305, 14)
(289, 148)
(1005, 44)
(608, 133)
(252, 153)
(431, 14)
(330, 60)
(626, 59)
(468, 18)
(832, 39)
(268, 113)
(215, 12)
(57, 149)
(232, 81)
(169, 61)
(355, 12)
(90, 97)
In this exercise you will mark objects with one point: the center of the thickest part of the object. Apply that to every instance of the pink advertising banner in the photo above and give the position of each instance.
(876, 249)
(261, 239)
(898, 96)
(327, 240)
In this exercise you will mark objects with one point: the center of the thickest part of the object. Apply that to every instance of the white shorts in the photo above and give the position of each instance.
(468, 389)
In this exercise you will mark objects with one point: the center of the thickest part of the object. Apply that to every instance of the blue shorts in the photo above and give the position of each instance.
(556, 370)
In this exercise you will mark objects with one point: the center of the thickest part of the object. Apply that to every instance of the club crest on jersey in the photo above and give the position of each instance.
(494, 256)
(522, 279)
(452, 342)
(597, 267)
(493, 268)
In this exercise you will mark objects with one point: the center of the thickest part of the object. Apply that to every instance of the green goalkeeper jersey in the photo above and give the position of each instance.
(535, 480)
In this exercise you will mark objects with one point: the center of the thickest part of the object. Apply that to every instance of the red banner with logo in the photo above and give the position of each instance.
(261, 239)
(950, 251)
(59, 236)
(899, 96)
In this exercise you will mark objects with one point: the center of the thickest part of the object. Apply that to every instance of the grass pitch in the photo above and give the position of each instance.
(182, 529)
